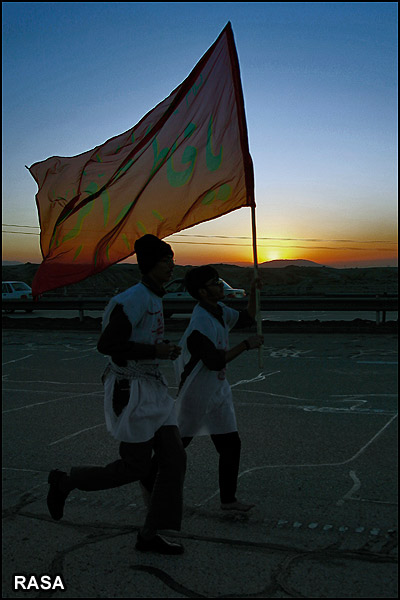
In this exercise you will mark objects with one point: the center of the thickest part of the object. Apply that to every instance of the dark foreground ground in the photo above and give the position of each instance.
(318, 422)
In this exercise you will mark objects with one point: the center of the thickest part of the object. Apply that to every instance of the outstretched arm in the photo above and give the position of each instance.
(201, 347)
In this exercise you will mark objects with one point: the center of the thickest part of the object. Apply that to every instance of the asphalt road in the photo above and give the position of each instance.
(318, 422)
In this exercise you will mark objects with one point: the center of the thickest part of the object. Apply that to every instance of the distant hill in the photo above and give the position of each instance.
(279, 264)
(286, 280)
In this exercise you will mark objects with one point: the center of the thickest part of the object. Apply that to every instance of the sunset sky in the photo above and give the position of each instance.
(320, 89)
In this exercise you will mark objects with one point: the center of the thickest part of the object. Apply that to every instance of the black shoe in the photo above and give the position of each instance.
(158, 544)
(56, 498)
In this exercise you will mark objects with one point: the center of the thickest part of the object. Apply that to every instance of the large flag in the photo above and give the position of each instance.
(187, 161)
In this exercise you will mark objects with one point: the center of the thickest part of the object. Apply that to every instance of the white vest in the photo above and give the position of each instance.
(204, 404)
(145, 313)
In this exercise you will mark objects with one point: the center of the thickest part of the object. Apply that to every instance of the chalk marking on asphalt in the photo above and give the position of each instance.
(285, 352)
(36, 391)
(372, 439)
(375, 501)
(10, 410)
(80, 349)
(356, 404)
(376, 362)
(279, 523)
(17, 360)
(271, 394)
(26, 491)
(355, 408)
(68, 437)
(259, 377)
(69, 383)
(374, 351)
(24, 470)
(326, 410)
(77, 357)
(11, 492)
(309, 465)
(209, 498)
(337, 410)
(351, 396)
(355, 488)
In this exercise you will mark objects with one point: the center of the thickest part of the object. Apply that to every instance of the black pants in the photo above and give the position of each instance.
(228, 446)
(166, 502)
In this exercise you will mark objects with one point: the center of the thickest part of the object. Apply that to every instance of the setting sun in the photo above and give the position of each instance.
(267, 254)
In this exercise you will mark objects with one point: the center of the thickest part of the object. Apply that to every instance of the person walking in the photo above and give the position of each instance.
(139, 412)
(204, 404)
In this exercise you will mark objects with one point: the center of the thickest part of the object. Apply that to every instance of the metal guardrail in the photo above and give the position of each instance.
(378, 304)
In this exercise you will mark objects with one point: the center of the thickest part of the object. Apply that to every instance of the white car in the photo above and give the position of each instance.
(16, 290)
(176, 289)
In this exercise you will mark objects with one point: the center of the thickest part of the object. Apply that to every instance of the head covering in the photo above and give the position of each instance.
(197, 277)
(149, 250)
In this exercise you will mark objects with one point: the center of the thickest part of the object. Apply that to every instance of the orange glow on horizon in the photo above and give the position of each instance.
(239, 251)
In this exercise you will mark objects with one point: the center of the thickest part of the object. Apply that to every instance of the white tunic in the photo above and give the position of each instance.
(204, 404)
(150, 406)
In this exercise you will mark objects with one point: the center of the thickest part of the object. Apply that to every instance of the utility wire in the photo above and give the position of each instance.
(230, 237)
(376, 249)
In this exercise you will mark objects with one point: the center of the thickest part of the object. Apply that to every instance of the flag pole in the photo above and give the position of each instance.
(255, 260)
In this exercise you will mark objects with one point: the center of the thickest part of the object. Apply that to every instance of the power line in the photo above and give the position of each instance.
(288, 247)
(377, 249)
(285, 239)
(230, 237)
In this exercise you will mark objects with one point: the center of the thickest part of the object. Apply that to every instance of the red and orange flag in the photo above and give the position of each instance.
(187, 161)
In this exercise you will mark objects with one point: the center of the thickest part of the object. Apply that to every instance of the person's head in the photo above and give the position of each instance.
(204, 284)
(155, 258)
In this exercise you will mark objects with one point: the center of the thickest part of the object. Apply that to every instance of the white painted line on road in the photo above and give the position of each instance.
(17, 360)
(333, 464)
(68, 383)
(68, 437)
(351, 396)
(10, 410)
(356, 408)
(356, 486)
(77, 357)
(375, 501)
(260, 377)
(271, 394)
(336, 409)
(376, 362)
(24, 470)
(371, 440)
